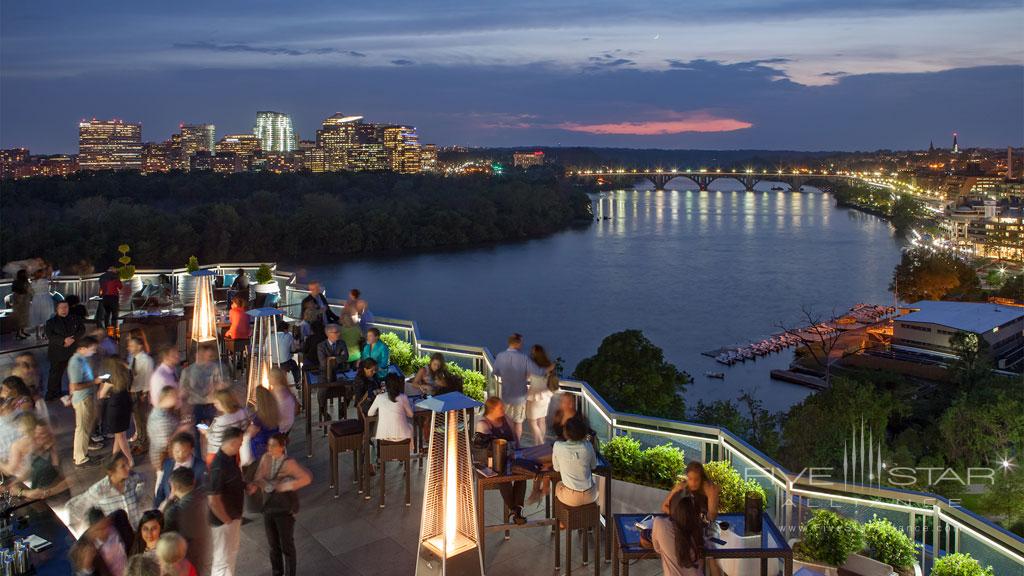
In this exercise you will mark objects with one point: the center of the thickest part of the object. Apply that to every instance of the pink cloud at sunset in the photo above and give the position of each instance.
(675, 124)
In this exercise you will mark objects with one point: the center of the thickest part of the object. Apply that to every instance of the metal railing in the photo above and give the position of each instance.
(936, 524)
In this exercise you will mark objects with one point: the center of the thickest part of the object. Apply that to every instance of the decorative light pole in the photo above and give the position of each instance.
(449, 536)
(204, 311)
(262, 349)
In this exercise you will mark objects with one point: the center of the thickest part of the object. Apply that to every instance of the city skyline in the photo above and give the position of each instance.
(781, 75)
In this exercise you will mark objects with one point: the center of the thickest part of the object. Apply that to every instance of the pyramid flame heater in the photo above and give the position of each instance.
(449, 535)
(263, 349)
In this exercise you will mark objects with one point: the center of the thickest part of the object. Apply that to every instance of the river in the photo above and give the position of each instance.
(694, 270)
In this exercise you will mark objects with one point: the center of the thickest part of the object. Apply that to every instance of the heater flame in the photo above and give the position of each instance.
(450, 480)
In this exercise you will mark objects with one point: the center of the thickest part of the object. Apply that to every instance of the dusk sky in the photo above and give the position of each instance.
(782, 74)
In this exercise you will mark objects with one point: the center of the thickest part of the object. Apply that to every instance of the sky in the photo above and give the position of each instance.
(725, 74)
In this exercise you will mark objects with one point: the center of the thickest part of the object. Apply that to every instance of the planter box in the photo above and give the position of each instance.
(187, 289)
(825, 569)
(629, 498)
(865, 566)
(271, 288)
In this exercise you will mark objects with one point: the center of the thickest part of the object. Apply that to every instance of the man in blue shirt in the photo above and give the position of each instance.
(512, 366)
(82, 382)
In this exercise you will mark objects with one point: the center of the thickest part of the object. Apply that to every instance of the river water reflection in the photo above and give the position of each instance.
(694, 270)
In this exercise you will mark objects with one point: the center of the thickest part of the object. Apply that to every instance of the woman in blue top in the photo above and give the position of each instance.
(264, 422)
(377, 351)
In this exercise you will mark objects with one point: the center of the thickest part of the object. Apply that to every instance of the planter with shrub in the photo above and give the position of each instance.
(959, 565)
(733, 489)
(887, 543)
(828, 540)
(126, 272)
(641, 477)
(265, 283)
(403, 355)
(187, 282)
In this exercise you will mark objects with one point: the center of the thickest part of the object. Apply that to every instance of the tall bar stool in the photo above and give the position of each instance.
(348, 435)
(395, 452)
(583, 518)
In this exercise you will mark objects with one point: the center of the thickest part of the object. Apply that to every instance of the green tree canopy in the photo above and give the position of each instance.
(631, 374)
(926, 275)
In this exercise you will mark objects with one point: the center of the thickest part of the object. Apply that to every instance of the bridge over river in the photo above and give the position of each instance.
(703, 178)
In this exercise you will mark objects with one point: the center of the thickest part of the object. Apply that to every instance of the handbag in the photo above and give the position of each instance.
(280, 502)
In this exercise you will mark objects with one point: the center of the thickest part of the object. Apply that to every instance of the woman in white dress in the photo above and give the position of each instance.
(538, 399)
(41, 308)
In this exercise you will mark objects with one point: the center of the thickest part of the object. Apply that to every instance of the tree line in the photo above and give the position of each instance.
(297, 217)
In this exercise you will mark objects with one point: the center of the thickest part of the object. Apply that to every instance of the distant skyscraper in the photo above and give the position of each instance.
(1009, 162)
(157, 157)
(338, 139)
(274, 129)
(956, 147)
(196, 137)
(245, 146)
(109, 145)
(403, 148)
(428, 158)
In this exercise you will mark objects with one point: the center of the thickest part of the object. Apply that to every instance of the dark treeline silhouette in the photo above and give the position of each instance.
(166, 218)
(584, 157)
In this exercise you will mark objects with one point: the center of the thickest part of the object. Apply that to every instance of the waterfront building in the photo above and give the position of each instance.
(527, 159)
(109, 145)
(402, 145)
(929, 327)
(428, 158)
(274, 129)
(245, 146)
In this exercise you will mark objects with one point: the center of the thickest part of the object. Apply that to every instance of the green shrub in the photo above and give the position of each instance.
(658, 466)
(474, 384)
(623, 455)
(889, 544)
(192, 265)
(830, 538)
(733, 488)
(959, 565)
(264, 275)
(127, 269)
(661, 466)
(402, 354)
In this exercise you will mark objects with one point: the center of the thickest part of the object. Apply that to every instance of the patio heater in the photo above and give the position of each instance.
(262, 349)
(204, 311)
(449, 538)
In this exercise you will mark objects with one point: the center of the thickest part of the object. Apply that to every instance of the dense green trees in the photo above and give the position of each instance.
(902, 210)
(923, 274)
(263, 216)
(632, 375)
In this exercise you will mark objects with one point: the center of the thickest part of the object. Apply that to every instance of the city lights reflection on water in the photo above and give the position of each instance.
(695, 270)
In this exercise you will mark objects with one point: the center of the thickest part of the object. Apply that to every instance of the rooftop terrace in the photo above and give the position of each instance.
(350, 535)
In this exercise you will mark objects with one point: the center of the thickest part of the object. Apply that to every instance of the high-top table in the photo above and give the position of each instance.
(738, 553)
(39, 519)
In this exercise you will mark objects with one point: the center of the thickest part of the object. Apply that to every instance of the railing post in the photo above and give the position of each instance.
(936, 522)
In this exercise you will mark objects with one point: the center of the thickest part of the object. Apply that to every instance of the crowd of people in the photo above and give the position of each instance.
(210, 452)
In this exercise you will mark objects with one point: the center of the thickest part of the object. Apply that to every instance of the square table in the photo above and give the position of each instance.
(484, 483)
(740, 555)
(311, 380)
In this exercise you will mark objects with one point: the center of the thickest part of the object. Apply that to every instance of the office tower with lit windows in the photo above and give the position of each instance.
(197, 137)
(337, 139)
(403, 148)
(956, 147)
(428, 158)
(157, 157)
(109, 145)
(274, 129)
(369, 152)
(245, 146)
(10, 160)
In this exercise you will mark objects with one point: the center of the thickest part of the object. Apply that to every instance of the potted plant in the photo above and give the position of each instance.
(887, 543)
(265, 286)
(959, 565)
(733, 489)
(187, 282)
(641, 478)
(126, 272)
(828, 540)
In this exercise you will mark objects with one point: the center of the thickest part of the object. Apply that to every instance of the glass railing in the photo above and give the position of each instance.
(936, 524)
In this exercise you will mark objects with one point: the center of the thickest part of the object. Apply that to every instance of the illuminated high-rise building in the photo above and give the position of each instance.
(157, 157)
(369, 152)
(274, 129)
(10, 159)
(403, 148)
(956, 147)
(109, 145)
(428, 158)
(338, 140)
(245, 146)
(197, 137)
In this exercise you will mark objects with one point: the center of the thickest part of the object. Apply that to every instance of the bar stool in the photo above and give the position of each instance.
(347, 436)
(583, 518)
(395, 452)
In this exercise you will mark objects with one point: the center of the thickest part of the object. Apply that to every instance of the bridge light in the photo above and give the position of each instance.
(703, 170)
(749, 171)
(673, 170)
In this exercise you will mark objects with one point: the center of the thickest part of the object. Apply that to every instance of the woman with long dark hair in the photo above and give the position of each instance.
(679, 538)
(538, 399)
(704, 491)
(21, 298)
(428, 377)
(394, 413)
(118, 414)
(147, 533)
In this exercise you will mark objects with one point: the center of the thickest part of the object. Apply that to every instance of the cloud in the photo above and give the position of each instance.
(834, 74)
(270, 50)
(402, 62)
(673, 123)
(610, 60)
